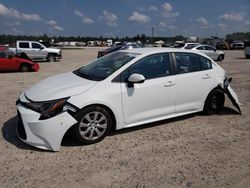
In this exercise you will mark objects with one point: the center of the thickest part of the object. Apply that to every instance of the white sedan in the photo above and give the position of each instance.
(123, 89)
(210, 51)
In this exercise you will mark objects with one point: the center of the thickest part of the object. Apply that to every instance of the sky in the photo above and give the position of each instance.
(111, 18)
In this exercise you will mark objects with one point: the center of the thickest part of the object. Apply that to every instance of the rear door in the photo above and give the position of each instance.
(194, 80)
(26, 47)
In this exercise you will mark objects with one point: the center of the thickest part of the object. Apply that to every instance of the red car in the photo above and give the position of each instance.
(11, 62)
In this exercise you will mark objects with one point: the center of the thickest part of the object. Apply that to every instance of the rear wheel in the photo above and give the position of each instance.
(24, 68)
(214, 102)
(94, 123)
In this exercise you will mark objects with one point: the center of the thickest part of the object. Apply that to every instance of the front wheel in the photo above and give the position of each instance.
(24, 68)
(214, 102)
(220, 58)
(51, 58)
(94, 123)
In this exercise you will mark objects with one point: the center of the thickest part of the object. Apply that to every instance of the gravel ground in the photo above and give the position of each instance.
(190, 151)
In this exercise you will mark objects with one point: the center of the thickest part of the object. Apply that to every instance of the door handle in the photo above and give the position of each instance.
(169, 83)
(206, 76)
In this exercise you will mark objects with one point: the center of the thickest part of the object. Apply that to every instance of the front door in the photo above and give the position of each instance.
(155, 97)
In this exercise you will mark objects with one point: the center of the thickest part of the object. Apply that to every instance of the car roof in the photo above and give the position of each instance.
(147, 51)
(204, 45)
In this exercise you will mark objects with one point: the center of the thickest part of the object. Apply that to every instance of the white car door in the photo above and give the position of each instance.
(194, 80)
(156, 96)
(38, 52)
(211, 52)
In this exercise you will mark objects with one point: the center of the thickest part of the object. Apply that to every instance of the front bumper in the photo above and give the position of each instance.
(35, 67)
(44, 134)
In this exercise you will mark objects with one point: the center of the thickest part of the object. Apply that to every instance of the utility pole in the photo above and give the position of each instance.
(152, 37)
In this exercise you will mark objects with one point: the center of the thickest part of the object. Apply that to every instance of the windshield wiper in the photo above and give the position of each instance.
(86, 76)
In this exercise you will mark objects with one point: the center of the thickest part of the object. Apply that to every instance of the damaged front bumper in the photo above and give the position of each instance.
(44, 134)
(231, 94)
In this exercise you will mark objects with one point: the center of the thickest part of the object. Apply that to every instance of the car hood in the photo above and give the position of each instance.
(23, 60)
(53, 50)
(58, 86)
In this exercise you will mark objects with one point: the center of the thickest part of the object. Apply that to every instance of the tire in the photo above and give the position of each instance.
(24, 68)
(94, 123)
(214, 102)
(51, 58)
(247, 56)
(220, 58)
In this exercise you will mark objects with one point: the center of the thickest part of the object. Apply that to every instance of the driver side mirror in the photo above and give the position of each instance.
(135, 79)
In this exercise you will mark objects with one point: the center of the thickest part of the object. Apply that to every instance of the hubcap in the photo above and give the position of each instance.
(93, 125)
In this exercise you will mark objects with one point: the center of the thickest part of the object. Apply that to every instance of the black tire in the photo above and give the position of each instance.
(84, 128)
(247, 56)
(51, 58)
(220, 58)
(214, 102)
(24, 68)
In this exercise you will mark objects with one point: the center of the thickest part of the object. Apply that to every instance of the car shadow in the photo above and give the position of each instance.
(9, 130)
(240, 58)
(9, 134)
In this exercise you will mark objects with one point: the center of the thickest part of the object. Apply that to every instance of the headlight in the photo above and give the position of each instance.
(50, 108)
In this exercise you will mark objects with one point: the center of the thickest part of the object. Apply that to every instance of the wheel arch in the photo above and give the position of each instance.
(106, 108)
(51, 53)
(24, 63)
(219, 86)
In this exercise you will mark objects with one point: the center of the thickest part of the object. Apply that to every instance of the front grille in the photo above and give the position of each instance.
(20, 128)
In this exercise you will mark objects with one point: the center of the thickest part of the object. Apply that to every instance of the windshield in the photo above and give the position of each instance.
(105, 66)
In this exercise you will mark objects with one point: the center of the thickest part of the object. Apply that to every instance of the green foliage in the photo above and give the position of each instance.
(241, 36)
(11, 39)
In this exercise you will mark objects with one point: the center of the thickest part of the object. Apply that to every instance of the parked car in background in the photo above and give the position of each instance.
(120, 46)
(210, 51)
(238, 45)
(124, 89)
(190, 45)
(179, 44)
(247, 49)
(9, 61)
(222, 46)
(37, 51)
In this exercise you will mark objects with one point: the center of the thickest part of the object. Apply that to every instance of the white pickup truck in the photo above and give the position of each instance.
(38, 52)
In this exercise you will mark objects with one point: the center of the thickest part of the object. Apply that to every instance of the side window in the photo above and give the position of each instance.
(187, 62)
(35, 45)
(210, 48)
(2, 54)
(23, 45)
(205, 63)
(153, 66)
(201, 48)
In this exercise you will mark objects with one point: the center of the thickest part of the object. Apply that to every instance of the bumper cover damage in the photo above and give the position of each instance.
(44, 134)
(231, 94)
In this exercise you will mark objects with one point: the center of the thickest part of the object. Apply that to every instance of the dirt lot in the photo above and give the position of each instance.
(191, 151)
